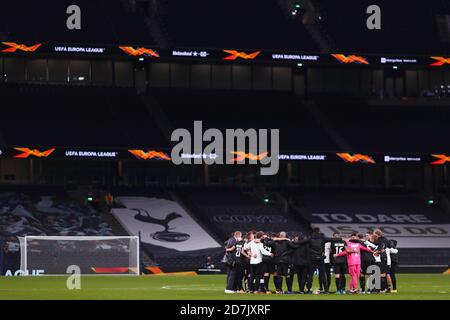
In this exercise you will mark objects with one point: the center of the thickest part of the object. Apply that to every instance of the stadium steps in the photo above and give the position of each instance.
(118, 230)
(158, 115)
(116, 227)
(184, 203)
(282, 204)
(444, 203)
(128, 5)
(323, 122)
(151, 15)
(318, 31)
(321, 41)
(294, 213)
(315, 31)
(158, 32)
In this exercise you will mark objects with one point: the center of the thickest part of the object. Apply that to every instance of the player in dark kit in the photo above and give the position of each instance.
(268, 263)
(240, 258)
(327, 262)
(339, 263)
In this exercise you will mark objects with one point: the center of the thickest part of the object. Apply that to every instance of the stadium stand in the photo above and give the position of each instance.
(28, 210)
(388, 128)
(113, 124)
(406, 217)
(299, 129)
(235, 24)
(77, 117)
(104, 22)
(360, 201)
(154, 190)
(405, 28)
(90, 114)
(43, 211)
(226, 209)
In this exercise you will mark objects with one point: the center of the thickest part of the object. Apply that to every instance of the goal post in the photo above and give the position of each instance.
(108, 255)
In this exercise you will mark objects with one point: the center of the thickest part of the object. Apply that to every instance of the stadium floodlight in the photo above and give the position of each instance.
(108, 255)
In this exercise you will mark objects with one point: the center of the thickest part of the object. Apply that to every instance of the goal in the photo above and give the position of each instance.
(93, 255)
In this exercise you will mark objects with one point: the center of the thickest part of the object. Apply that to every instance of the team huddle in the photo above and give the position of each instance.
(252, 259)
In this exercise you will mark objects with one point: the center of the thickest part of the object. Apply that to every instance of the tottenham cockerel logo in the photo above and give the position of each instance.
(362, 158)
(140, 52)
(350, 59)
(440, 61)
(152, 154)
(166, 235)
(13, 47)
(234, 54)
(27, 152)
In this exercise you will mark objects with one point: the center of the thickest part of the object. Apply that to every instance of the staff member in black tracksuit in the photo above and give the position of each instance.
(301, 262)
(283, 261)
(317, 255)
(340, 267)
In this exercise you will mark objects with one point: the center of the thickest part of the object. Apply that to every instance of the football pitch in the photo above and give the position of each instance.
(209, 287)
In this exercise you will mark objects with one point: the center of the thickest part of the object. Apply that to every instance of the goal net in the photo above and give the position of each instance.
(93, 255)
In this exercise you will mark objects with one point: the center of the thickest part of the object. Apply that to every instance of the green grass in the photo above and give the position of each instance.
(410, 286)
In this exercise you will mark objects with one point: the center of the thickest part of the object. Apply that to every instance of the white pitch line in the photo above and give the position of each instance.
(193, 288)
(65, 289)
